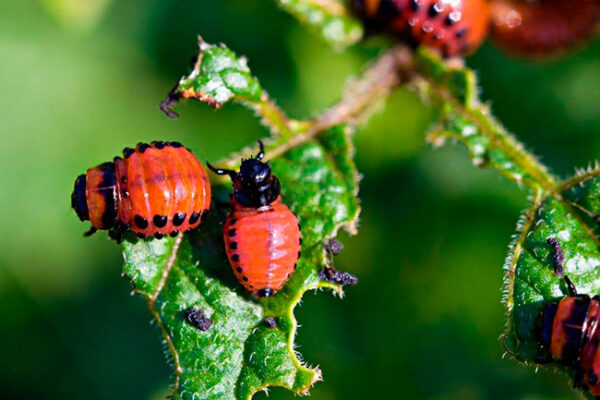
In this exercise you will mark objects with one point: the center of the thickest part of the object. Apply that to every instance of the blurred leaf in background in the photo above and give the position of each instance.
(425, 318)
(83, 15)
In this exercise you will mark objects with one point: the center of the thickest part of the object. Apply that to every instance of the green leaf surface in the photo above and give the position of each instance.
(452, 91)
(240, 355)
(570, 217)
(219, 75)
(330, 19)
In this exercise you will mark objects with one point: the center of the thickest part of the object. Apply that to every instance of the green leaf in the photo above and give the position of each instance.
(329, 18)
(566, 212)
(570, 217)
(453, 93)
(219, 76)
(240, 355)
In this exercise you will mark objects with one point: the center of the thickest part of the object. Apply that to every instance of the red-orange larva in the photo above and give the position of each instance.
(544, 27)
(456, 27)
(262, 236)
(569, 331)
(155, 190)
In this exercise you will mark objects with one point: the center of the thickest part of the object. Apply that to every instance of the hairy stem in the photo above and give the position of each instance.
(580, 177)
(356, 105)
(273, 117)
(397, 66)
(453, 91)
(508, 144)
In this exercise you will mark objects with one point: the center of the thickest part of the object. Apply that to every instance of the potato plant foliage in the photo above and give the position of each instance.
(250, 344)
(240, 353)
(565, 210)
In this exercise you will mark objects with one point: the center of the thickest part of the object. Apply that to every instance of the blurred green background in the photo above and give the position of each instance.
(79, 80)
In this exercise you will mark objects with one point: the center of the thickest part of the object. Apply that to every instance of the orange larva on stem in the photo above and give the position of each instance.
(455, 27)
(262, 236)
(155, 190)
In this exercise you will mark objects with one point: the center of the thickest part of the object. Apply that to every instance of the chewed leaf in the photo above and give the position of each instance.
(329, 18)
(453, 93)
(569, 218)
(218, 76)
(245, 345)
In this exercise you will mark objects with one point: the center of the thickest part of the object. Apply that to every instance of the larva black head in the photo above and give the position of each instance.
(79, 199)
(254, 185)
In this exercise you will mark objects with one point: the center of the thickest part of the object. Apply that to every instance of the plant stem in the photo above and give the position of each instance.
(580, 177)
(453, 93)
(273, 117)
(535, 173)
(358, 101)
(397, 65)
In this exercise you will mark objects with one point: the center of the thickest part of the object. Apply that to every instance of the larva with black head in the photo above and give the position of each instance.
(262, 236)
